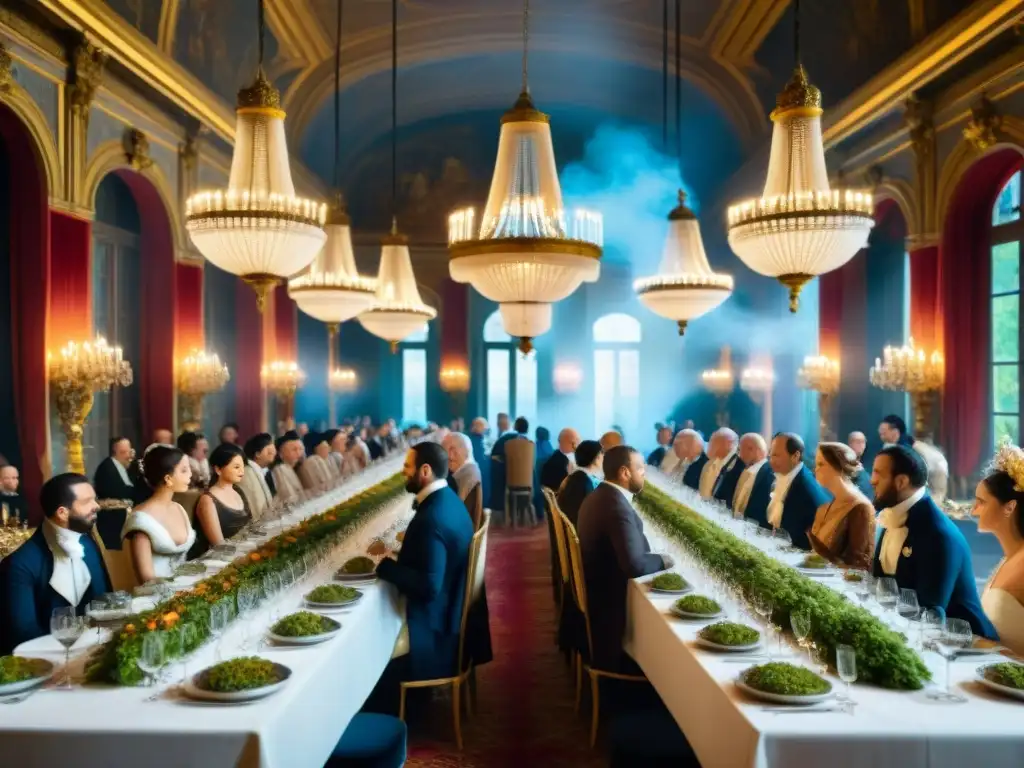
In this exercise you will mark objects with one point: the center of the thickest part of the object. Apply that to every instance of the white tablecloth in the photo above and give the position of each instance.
(888, 728)
(94, 727)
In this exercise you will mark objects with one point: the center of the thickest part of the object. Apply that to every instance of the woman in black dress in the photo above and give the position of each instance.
(222, 511)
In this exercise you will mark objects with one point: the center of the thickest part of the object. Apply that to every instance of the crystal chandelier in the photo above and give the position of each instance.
(397, 309)
(455, 377)
(282, 378)
(257, 228)
(800, 227)
(524, 252)
(819, 374)
(718, 381)
(908, 369)
(757, 380)
(198, 375)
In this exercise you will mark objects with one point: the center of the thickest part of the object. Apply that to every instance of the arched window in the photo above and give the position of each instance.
(414, 376)
(511, 376)
(1007, 235)
(617, 373)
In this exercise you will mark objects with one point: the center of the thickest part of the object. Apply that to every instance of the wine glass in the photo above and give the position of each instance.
(931, 622)
(782, 539)
(94, 610)
(153, 656)
(819, 655)
(800, 621)
(887, 592)
(248, 597)
(862, 585)
(846, 667)
(218, 623)
(908, 607)
(955, 636)
(188, 636)
(66, 627)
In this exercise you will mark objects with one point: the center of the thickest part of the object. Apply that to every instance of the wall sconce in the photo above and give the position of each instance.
(455, 377)
(343, 380)
(567, 378)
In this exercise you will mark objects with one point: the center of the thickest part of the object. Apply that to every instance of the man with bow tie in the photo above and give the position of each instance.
(59, 566)
(920, 546)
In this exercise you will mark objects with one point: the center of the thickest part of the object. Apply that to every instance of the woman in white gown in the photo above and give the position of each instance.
(999, 507)
(159, 531)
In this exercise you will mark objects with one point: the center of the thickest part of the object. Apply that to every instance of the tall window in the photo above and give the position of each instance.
(414, 377)
(617, 374)
(1007, 234)
(511, 376)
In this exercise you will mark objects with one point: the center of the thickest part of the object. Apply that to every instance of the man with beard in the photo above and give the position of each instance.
(614, 550)
(920, 547)
(59, 566)
(430, 572)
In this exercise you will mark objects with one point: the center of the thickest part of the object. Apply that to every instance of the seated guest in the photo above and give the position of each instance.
(58, 567)
(859, 443)
(610, 439)
(920, 546)
(722, 460)
(315, 471)
(753, 489)
(477, 435)
(158, 531)
(196, 447)
(893, 431)
(797, 495)
(162, 437)
(336, 441)
(664, 437)
(290, 454)
(585, 479)
(257, 481)
(111, 479)
(12, 502)
(222, 511)
(228, 433)
(562, 462)
(999, 509)
(357, 455)
(522, 428)
(689, 446)
(461, 464)
(844, 528)
(430, 572)
(614, 550)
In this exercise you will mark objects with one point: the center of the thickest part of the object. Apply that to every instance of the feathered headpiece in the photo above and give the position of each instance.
(1010, 459)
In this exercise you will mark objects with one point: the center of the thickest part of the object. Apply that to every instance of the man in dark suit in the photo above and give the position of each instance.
(664, 446)
(430, 572)
(561, 462)
(614, 550)
(59, 566)
(920, 547)
(691, 477)
(754, 487)
(729, 475)
(111, 479)
(797, 495)
(859, 443)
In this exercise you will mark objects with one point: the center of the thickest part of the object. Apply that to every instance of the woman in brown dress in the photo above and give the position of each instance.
(844, 528)
(222, 511)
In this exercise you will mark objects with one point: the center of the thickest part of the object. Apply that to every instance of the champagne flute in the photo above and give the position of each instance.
(153, 656)
(956, 636)
(66, 627)
(800, 621)
(189, 634)
(218, 623)
(846, 666)
(908, 608)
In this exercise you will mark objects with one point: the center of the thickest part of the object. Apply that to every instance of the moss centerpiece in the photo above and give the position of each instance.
(244, 674)
(815, 562)
(1007, 674)
(729, 633)
(698, 605)
(358, 566)
(669, 582)
(304, 624)
(333, 594)
(17, 669)
(785, 680)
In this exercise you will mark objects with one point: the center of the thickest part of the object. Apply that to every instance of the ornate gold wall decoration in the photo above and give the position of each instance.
(984, 126)
(6, 69)
(917, 116)
(136, 149)
(874, 176)
(87, 63)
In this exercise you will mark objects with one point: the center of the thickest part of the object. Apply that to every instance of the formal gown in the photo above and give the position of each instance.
(231, 520)
(1006, 614)
(166, 554)
(844, 532)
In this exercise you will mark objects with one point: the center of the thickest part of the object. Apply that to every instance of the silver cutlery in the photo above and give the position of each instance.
(17, 698)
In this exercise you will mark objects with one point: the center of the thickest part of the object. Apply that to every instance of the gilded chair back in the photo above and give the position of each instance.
(579, 584)
(474, 577)
(188, 501)
(519, 458)
(480, 567)
(119, 565)
(555, 516)
(475, 505)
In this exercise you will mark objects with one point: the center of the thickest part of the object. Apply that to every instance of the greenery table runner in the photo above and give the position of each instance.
(117, 660)
(882, 655)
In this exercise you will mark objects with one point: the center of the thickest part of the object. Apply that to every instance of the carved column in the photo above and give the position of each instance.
(84, 78)
(6, 69)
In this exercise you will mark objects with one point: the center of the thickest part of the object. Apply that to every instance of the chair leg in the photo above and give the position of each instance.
(578, 664)
(472, 690)
(457, 713)
(401, 703)
(595, 706)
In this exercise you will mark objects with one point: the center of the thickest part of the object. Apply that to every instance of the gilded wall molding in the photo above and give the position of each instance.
(299, 32)
(136, 149)
(28, 112)
(740, 26)
(918, 117)
(168, 26)
(6, 69)
(87, 63)
(901, 192)
(983, 129)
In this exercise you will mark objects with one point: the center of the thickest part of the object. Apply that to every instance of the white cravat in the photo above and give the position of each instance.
(123, 473)
(71, 575)
(669, 462)
(708, 475)
(782, 484)
(745, 486)
(894, 522)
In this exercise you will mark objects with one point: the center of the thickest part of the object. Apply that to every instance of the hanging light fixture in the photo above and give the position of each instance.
(800, 227)
(523, 252)
(257, 228)
(685, 287)
(397, 310)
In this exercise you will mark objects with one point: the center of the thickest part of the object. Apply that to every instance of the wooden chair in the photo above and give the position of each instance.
(519, 460)
(119, 565)
(475, 505)
(554, 514)
(580, 592)
(474, 581)
(188, 500)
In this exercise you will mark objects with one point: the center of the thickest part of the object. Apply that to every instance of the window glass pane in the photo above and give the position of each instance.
(1006, 328)
(526, 386)
(1004, 426)
(1005, 388)
(418, 337)
(497, 385)
(604, 390)
(494, 331)
(627, 398)
(617, 327)
(1007, 207)
(414, 385)
(1006, 267)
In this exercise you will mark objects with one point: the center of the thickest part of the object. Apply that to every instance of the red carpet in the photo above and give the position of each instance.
(524, 712)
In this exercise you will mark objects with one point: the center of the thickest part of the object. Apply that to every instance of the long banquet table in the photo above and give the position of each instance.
(107, 727)
(902, 729)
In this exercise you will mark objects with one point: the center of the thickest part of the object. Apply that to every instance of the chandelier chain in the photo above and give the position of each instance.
(664, 76)
(262, 31)
(526, 46)
(394, 110)
(679, 81)
(337, 100)
(796, 32)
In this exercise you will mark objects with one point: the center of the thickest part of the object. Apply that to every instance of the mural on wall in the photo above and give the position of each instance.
(144, 15)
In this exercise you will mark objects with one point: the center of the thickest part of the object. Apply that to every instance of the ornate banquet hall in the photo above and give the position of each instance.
(538, 382)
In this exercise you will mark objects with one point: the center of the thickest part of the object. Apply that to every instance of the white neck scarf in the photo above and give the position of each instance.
(778, 502)
(71, 577)
(894, 522)
(123, 473)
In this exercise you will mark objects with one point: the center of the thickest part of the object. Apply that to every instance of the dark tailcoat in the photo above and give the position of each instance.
(110, 485)
(725, 485)
(760, 495)
(798, 510)
(691, 478)
(577, 487)
(497, 465)
(656, 456)
(554, 471)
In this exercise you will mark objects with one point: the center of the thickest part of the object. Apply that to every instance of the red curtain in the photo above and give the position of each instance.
(156, 325)
(925, 323)
(964, 278)
(830, 314)
(30, 275)
(286, 326)
(70, 317)
(454, 323)
(248, 361)
(189, 308)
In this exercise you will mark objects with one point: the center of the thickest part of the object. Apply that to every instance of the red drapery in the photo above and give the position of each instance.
(830, 314)
(156, 325)
(30, 274)
(70, 317)
(248, 361)
(454, 323)
(286, 326)
(964, 277)
(925, 323)
(188, 308)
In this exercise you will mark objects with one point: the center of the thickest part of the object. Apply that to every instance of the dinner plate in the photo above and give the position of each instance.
(192, 690)
(8, 689)
(712, 646)
(819, 572)
(323, 637)
(367, 577)
(695, 616)
(781, 698)
(328, 606)
(1005, 690)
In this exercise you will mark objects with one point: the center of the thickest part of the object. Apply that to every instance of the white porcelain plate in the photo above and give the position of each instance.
(306, 640)
(1005, 690)
(780, 698)
(9, 689)
(819, 572)
(332, 606)
(711, 646)
(193, 689)
(695, 616)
